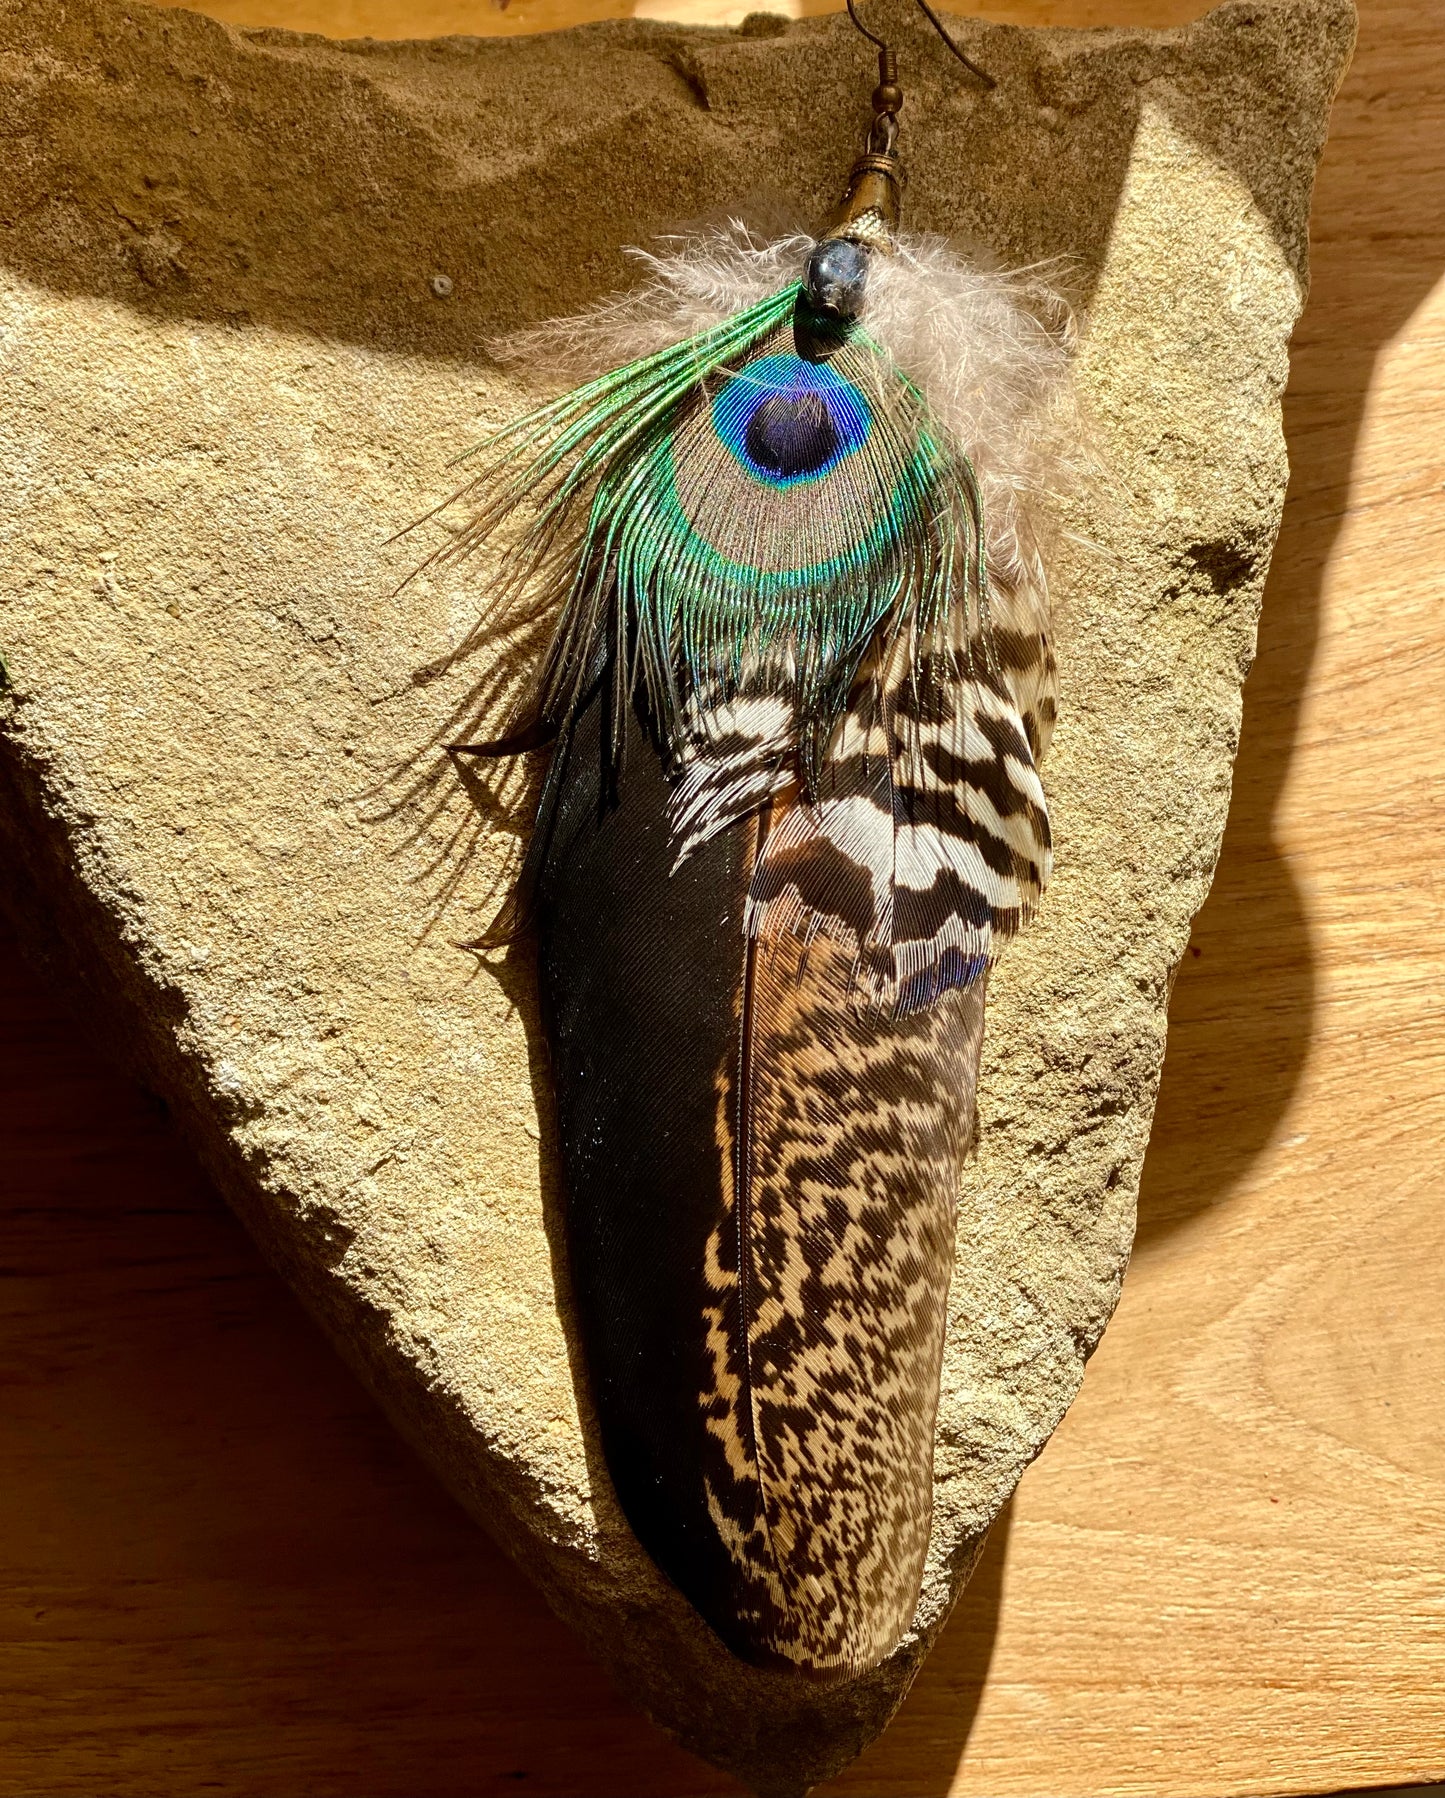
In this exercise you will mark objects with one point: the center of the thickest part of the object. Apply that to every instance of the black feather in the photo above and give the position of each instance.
(640, 973)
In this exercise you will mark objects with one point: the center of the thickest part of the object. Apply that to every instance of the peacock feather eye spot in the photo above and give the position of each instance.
(788, 421)
(791, 435)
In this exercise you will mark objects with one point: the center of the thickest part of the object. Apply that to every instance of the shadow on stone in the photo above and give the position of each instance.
(190, 170)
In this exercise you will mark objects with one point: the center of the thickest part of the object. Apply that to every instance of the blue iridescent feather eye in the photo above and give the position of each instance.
(788, 421)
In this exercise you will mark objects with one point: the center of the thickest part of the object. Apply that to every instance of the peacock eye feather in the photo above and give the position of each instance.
(741, 511)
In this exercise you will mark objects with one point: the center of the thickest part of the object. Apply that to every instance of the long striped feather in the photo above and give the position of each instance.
(761, 1182)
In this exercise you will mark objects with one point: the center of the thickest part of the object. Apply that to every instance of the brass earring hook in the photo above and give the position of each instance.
(888, 60)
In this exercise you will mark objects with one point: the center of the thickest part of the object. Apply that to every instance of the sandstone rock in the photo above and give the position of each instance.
(229, 379)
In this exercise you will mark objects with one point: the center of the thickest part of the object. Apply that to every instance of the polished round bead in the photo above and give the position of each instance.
(888, 97)
(836, 276)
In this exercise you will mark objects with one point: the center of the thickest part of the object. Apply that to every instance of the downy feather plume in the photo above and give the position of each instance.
(800, 680)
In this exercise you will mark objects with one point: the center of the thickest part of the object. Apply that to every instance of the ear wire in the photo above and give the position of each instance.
(888, 60)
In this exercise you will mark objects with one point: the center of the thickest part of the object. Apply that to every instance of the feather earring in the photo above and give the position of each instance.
(799, 683)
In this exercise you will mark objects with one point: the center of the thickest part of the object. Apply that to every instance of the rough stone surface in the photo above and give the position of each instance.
(222, 804)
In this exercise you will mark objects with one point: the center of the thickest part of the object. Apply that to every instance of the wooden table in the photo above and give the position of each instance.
(219, 1572)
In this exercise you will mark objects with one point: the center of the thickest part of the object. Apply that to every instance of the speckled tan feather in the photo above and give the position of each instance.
(844, 1133)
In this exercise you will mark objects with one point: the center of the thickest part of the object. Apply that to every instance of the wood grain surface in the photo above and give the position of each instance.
(220, 1573)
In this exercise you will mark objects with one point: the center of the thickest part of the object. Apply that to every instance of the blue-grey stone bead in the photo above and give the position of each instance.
(836, 276)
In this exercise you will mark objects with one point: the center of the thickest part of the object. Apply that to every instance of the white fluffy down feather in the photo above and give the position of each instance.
(990, 350)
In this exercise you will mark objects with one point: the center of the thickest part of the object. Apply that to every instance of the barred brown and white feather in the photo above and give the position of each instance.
(737, 755)
(760, 1180)
(927, 844)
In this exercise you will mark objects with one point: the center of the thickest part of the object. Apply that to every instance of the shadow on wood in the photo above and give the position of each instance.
(223, 1569)
(1242, 1013)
